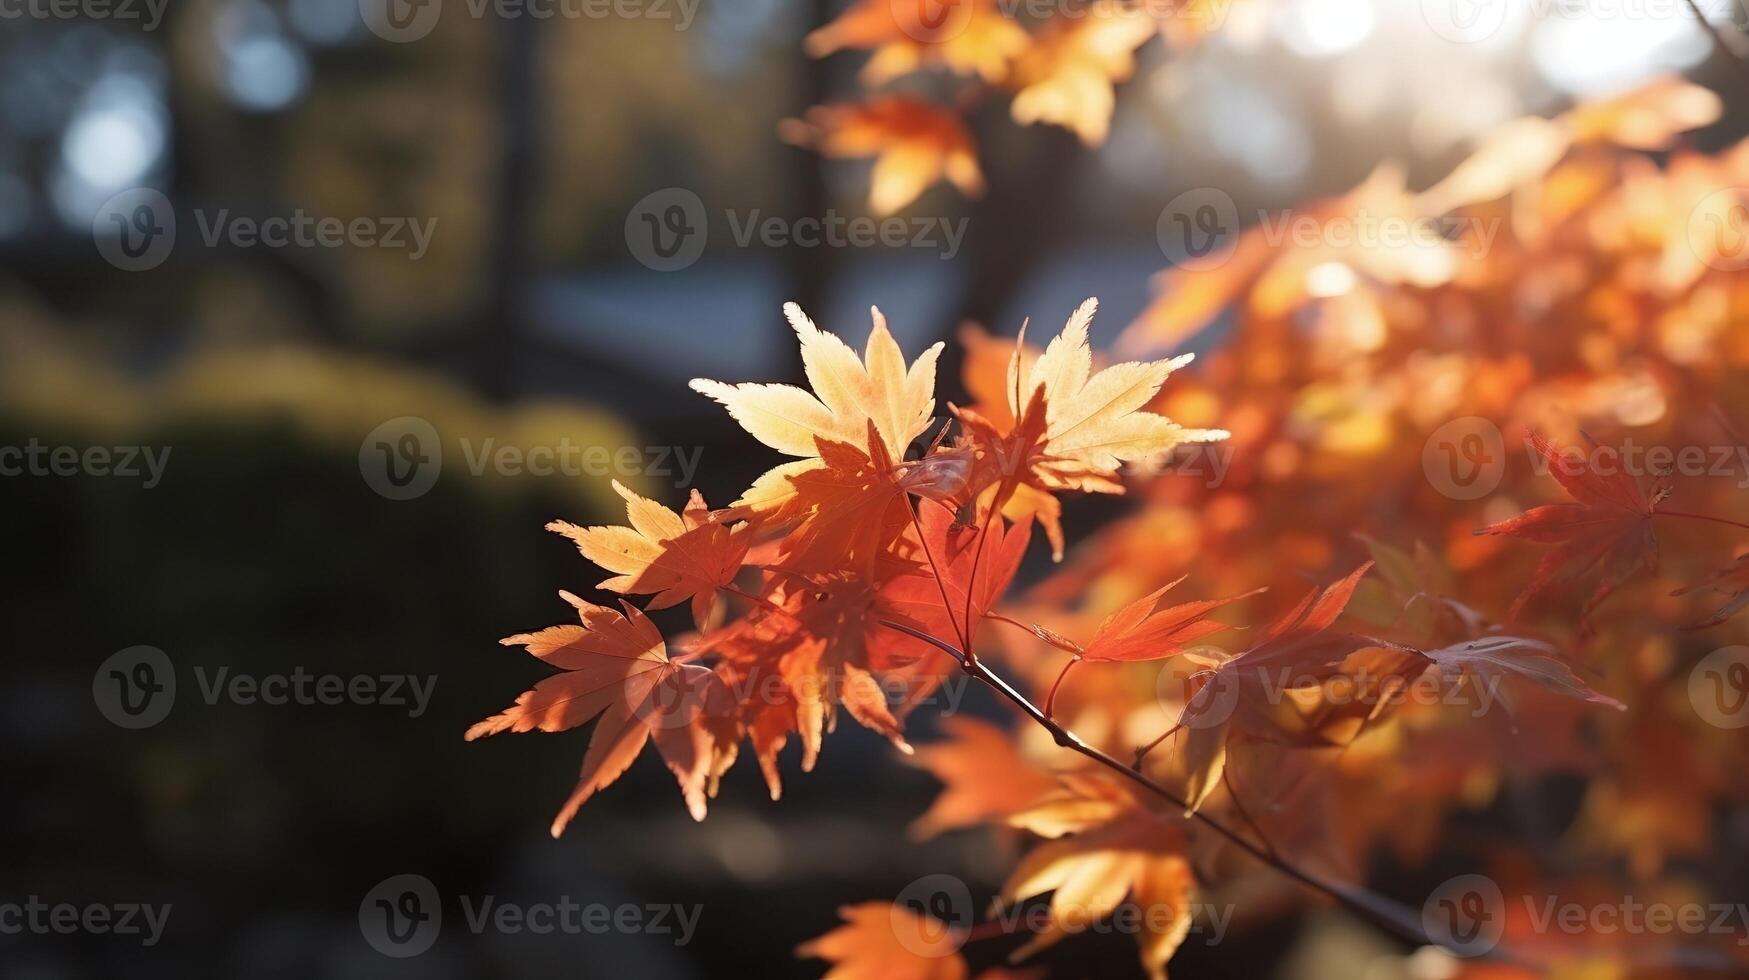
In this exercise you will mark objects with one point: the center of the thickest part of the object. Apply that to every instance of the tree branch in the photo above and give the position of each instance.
(1731, 52)
(1374, 908)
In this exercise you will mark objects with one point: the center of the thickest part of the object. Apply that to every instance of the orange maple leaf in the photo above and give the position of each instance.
(1144, 631)
(883, 941)
(616, 667)
(932, 594)
(983, 773)
(674, 556)
(811, 648)
(1607, 529)
(914, 145)
(967, 37)
(1236, 691)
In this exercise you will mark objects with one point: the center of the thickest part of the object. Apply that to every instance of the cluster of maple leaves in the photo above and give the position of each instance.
(1062, 71)
(856, 534)
(859, 575)
(861, 572)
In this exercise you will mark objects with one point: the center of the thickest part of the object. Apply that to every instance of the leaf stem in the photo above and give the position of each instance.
(759, 601)
(1376, 909)
(1700, 517)
(965, 633)
(1051, 698)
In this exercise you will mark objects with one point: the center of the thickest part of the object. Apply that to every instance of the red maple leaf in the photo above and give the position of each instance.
(1607, 529)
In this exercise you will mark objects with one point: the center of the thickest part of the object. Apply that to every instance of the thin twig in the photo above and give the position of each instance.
(1244, 814)
(1374, 908)
(1700, 517)
(1732, 54)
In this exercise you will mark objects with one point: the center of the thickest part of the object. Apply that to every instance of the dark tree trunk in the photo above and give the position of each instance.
(501, 330)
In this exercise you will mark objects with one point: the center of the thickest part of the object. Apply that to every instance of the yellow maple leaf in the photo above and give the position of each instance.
(967, 37)
(673, 556)
(1074, 429)
(1066, 77)
(848, 432)
(1103, 850)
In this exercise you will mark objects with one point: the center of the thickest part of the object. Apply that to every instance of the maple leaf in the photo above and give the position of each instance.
(842, 494)
(1608, 528)
(1413, 596)
(674, 556)
(1271, 272)
(1143, 630)
(808, 651)
(1104, 848)
(1073, 429)
(1066, 77)
(1526, 658)
(882, 941)
(932, 596)
(1237, 692)
(984, 776)
(765, 719)
(616, 667)
(1732, 581)
(968, 37)
(914, 145)
(985, 372)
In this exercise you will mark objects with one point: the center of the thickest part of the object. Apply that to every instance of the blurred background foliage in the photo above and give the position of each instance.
(529, 322)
